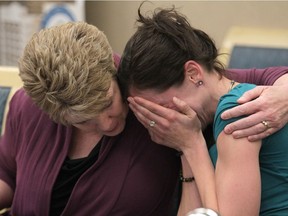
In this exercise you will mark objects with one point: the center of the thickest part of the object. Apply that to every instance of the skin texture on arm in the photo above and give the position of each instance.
(238, 180)
(6, 195)
(189, 191)
(263, 103)
(202, 168)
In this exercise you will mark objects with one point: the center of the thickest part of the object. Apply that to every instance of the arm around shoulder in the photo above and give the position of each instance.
(265, 76)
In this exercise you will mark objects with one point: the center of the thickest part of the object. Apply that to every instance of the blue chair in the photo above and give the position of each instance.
(248, 47)
(10, 82)
(4, 93)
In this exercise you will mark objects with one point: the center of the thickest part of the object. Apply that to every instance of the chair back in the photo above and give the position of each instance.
(10, 82)
(249, 47)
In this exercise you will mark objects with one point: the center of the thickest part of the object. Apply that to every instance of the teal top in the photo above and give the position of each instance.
(273, 157)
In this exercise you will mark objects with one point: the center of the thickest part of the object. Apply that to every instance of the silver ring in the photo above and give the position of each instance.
(152, 123)
(265, 123)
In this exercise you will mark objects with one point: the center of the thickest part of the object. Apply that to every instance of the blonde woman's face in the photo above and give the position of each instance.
(112, 120)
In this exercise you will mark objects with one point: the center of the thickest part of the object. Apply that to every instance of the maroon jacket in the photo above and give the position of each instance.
(132, 176)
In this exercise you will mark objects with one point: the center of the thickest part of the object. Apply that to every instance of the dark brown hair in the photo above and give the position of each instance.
(155, 55)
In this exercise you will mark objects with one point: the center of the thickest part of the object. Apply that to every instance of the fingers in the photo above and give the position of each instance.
(258, 136)
(251, 94)
(158, 131)
(262, 135)
(183, 107)
(268, 104)
(241, 110)
(149, 107)
(244, 123)
(152, 128)
(257, 132)
(248, 104)
(145, 111)
(138, 111)
(253, 130)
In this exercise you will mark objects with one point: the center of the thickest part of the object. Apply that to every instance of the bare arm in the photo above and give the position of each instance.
(190, 194)
(6, 195)
(238, 180)
(263, 103)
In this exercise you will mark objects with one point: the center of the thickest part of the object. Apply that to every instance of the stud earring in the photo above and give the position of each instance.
(199, 83)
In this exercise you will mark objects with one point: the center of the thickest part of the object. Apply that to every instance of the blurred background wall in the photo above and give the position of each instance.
(117, 18)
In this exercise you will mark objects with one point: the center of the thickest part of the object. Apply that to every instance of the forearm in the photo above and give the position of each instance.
(266, 76)
(203, 170)
(190, 198)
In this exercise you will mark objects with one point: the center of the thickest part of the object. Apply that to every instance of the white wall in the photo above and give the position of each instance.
(117, 18)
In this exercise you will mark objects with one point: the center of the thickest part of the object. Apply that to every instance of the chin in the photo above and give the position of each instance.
(117, 130)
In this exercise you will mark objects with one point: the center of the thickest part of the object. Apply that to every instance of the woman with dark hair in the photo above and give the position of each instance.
(178, 89)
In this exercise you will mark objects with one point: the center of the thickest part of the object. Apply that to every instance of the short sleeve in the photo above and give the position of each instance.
(226, 102)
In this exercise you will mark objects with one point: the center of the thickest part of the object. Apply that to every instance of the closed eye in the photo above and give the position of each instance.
(82, 122)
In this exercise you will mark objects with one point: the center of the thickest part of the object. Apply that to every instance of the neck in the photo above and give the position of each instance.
(221, 87)
(218, 87)
(82, 143)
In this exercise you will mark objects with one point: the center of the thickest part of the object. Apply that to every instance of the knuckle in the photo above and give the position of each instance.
(172, 116)
(260, 128)
(231, 127)
(165, 125)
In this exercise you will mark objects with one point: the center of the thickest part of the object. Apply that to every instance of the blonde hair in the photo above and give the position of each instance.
(68, 70)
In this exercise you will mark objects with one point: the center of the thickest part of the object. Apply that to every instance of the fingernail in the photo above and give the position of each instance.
(227, 131)
(236, 136)
(175, 99)
(223, 116)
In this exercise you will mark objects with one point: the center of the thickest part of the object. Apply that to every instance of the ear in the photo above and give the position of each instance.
(193, 71)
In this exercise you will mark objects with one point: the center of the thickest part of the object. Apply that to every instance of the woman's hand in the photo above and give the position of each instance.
(175, 129)
(263, 103)
(182, 131)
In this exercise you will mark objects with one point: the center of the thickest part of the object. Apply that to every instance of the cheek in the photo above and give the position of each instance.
(118, 108)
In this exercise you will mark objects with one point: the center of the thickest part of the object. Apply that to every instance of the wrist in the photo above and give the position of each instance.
(186, 179)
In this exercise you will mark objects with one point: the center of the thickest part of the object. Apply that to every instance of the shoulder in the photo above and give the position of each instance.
(21, 102)
(22, 109)
(229, 100)
(226, 102)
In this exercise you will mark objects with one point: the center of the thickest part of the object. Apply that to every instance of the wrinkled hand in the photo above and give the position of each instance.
(263, 103)
(174, 129)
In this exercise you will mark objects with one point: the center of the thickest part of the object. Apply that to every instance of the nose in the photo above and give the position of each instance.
(106, 122)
